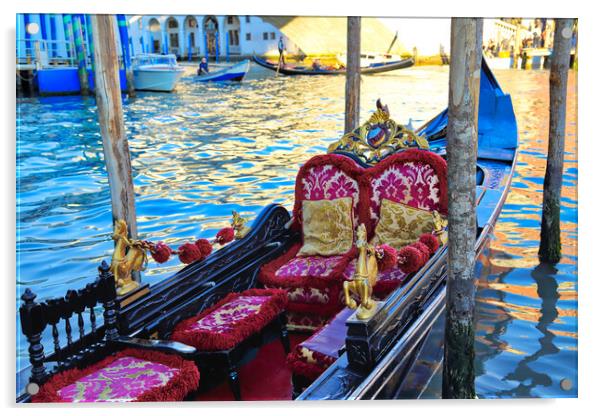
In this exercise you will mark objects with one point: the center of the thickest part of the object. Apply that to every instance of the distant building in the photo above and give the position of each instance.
(199, 35)
(184, 36)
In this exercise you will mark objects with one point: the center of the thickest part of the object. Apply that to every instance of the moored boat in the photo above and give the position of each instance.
(235, 72)
(153, 72)
(371, 59)
(350, 346)
(373, 68)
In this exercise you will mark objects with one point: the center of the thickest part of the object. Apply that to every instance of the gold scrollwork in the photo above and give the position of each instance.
(377, 138)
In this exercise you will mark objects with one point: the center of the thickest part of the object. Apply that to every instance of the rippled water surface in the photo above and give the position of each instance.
(205, 150)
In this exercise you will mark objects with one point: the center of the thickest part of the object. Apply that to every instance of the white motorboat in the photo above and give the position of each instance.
(153, 72)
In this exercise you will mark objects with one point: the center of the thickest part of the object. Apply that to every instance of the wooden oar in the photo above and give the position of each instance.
(278, 67)
(392, 42)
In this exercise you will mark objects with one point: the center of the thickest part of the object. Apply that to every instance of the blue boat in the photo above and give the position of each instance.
(233, 73)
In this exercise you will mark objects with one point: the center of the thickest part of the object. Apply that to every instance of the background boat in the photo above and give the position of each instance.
(156, 72)
(233, 73)
(304, 70)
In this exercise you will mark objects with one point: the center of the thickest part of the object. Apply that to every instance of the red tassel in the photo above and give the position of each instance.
(204, 246)
(424, 250)
(161, 252)
(431, 241)
(225, 235)
(189, 253)
(409, 259)
(387, 257)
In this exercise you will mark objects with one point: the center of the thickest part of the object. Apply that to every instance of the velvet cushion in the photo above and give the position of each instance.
(232, 320)
(400, 224)
(129, 375)
(327, 227)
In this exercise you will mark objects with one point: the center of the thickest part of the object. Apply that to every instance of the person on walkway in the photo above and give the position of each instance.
(203, 67)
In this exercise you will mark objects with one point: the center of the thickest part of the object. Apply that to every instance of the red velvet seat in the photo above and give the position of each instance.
(128, 375)
(414, 177)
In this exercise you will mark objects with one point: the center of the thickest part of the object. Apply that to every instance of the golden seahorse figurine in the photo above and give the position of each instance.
(129, 256)
(238, 223)
(364, 278)
(440, 227)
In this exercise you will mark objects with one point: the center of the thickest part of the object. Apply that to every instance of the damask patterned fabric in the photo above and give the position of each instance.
(226, 317)
(319, 296)
(330, 182)
(132, 374)
(386, 281)
(327, 227)
(231, 320)
(124, 380)
(400, 224)
(411, 183)
(314, 266)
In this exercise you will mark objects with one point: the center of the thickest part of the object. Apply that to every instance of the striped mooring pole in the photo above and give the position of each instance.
(82, 67)
(125, 53)
(68, 29)
(90, 40)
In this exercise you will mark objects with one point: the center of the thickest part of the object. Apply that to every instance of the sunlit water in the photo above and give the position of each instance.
(205, 150)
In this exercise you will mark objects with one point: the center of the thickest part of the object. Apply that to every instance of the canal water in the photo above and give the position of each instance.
(205, 150)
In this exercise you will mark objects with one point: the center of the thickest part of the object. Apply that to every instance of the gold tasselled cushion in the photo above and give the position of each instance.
(400, 224)
(327, 227)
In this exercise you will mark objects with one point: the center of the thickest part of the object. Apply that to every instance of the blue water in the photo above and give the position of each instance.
(205, 150)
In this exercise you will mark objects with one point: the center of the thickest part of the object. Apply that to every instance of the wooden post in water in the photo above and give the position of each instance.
(110, 118)
(549, 246)
(462, 129)
(353, 73)
(517, 45)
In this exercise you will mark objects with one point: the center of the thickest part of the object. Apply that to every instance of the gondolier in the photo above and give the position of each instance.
(280, 52)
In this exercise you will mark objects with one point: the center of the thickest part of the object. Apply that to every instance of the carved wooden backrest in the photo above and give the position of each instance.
(59, 313)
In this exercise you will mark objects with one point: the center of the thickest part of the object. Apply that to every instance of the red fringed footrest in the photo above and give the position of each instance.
(129, 375)
(314, 355)
(232, 320)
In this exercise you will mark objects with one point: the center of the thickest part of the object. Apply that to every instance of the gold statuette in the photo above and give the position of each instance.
(238, 224)
(364, 278)
(129, 256)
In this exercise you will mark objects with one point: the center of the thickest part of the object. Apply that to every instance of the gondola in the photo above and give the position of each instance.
(376, 68)
(371, 339)
(235, 72)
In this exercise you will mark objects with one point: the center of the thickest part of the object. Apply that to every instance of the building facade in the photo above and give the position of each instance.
(205, 35)
(190, 36)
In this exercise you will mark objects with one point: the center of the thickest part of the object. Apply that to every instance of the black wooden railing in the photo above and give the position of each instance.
(36, 316)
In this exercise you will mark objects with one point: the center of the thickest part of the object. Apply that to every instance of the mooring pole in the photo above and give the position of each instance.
(82, 66)
(462, 135)
(68, 29)
(110, 119)
(125, 53)
(352, 73)
(549, 246)
(517, 45)
(90, 41)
